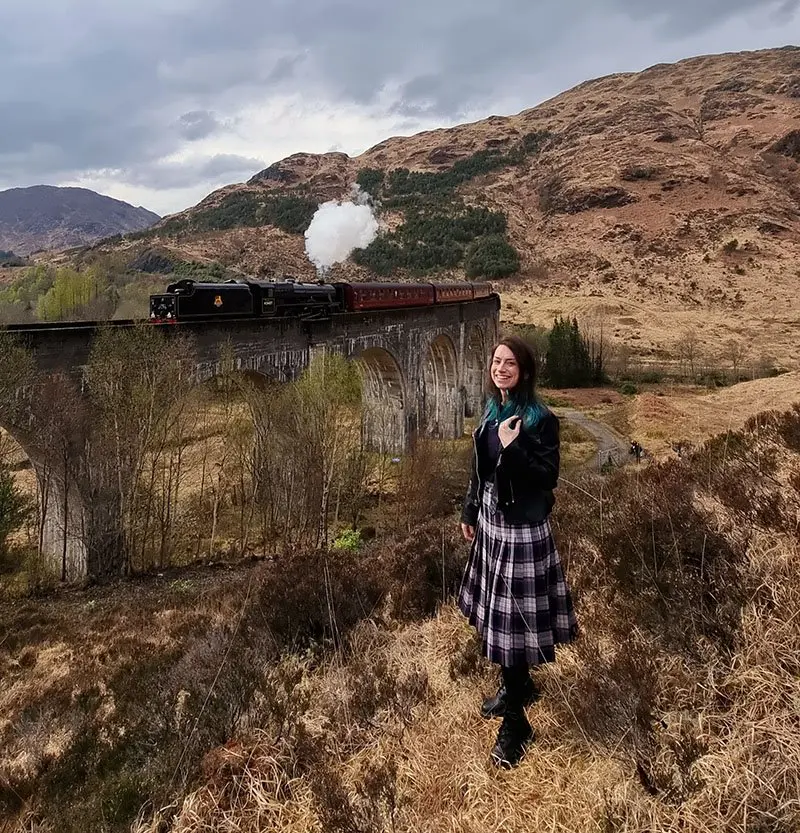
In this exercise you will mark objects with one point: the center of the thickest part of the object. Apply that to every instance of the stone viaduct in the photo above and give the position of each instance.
(422, 372)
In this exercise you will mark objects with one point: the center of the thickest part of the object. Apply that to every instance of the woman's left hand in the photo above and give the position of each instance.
(506, 433)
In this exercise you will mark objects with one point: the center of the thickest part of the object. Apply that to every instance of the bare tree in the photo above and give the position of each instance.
(136, 380)
(328, 417)
(696, 117)
(689, 352)
(736, 352)
(594, 335)
(619, 361)
(59, 424)
(762, 365)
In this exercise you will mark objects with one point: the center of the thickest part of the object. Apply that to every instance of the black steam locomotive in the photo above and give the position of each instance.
(188, 300)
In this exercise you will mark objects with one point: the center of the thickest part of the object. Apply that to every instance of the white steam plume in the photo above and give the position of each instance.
(339, 227)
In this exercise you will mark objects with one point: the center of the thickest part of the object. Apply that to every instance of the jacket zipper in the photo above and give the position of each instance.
(475, 453)
(510, 484)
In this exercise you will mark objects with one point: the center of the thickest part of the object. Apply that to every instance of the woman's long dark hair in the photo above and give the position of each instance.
(523, 394)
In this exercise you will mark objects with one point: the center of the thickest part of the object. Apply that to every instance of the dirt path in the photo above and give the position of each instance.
(611, 446)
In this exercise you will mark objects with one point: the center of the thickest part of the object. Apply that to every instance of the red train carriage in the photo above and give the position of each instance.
(481, 290)
(450, 293)
(365, 296)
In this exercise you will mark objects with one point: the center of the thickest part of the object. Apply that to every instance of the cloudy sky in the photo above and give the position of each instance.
(158, 102)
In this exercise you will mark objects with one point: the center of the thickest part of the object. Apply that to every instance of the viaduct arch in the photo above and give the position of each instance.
(384, 400)
(422, 372)
(443, 407)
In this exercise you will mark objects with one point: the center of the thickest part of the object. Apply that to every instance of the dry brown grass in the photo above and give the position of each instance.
(727, 757)
(693, 415)
(675, 711)
(638, 730)
(578, 446)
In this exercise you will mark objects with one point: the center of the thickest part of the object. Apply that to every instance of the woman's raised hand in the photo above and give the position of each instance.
(468, 531)
(505, 431)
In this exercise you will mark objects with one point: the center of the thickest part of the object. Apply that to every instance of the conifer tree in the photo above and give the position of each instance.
(571, 362)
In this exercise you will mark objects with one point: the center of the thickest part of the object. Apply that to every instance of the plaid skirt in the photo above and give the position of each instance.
(514, 591)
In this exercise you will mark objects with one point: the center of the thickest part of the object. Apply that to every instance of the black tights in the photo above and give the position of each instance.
(515, 678)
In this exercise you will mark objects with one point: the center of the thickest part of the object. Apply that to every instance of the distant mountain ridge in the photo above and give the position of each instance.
(50, 217)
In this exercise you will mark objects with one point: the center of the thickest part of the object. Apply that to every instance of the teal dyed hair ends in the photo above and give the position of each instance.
(530, 411)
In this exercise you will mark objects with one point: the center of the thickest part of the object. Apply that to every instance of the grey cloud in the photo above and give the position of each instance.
(686, 17)
(198, 124)
(120, 86)
(215, 170)
(447, 56)
(284, 69)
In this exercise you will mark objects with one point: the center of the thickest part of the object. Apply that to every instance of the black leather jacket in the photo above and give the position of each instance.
(525, 474)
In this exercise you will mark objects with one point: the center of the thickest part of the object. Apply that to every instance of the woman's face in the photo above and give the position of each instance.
(504, 370)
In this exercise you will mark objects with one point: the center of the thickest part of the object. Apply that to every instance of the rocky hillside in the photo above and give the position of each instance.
(46, 217)
(659, 204)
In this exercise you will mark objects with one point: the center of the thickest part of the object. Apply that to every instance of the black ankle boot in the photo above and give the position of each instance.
(514, 735)
(496, 706)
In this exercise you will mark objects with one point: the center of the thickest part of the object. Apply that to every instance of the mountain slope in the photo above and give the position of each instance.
(657, 203)
(47, 217)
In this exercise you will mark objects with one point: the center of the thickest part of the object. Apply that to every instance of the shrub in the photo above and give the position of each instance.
(634, 172)
(491, 256)
(382, 256)
(370, 180)
(422, 569)
(322, 596)
(628, 388)
(238, 209)
(430, 238)
(348, 540)
(438, 226)
(651, 377)
(403, 181)
(533, 142)
(209, 272)
(289, 212)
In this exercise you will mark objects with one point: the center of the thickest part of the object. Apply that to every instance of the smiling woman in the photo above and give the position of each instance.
(514, 591)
